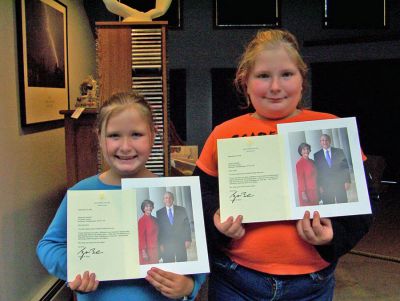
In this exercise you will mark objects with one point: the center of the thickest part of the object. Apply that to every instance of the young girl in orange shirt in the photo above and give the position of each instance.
(287, 260)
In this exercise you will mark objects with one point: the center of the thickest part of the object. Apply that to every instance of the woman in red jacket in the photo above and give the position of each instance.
(148, 232)
(306, 177)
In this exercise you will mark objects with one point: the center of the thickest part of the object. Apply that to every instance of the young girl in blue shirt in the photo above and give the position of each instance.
(126, 134)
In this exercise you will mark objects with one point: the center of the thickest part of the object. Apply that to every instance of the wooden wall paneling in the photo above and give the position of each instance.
(80, 145)
(165, 106)
(114, 55)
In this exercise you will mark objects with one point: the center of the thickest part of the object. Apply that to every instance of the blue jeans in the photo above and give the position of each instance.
(231, 282)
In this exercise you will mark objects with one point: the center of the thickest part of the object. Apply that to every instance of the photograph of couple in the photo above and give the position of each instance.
(324, 170)
(165, 225)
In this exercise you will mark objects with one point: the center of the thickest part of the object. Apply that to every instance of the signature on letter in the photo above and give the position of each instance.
(84, 251)
(235, 195)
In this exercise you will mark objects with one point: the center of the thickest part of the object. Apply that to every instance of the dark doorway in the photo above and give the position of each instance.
(368, 91)
(227, 103)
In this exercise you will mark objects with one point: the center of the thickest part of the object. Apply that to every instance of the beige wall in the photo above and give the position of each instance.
(32, 163)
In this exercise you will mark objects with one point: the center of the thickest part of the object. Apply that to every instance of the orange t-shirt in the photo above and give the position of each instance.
(269, 247)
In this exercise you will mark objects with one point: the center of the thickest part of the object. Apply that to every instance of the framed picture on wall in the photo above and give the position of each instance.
(251, 13)
(43, 60)
(355, 14)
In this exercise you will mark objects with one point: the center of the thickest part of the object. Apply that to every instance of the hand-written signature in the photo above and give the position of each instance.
(243, 194)
(84, 251)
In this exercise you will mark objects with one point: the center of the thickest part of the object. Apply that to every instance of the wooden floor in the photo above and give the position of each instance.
(372, 270)
(360, 278)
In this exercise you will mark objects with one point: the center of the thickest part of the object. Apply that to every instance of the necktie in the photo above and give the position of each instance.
(328, 158)
(170, 216)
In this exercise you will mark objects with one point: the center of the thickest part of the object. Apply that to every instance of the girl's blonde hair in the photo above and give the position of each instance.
(118, 102)
(266, 40)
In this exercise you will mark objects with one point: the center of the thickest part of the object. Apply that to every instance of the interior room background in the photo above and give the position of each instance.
(33, 175)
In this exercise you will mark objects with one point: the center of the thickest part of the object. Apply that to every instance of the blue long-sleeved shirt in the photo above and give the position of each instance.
(52, 252)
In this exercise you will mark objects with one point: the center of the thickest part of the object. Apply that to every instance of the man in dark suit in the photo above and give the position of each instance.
(174, 233)
(333, 172)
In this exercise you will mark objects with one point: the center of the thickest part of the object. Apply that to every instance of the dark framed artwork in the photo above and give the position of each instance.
(355, 14)
(43, 60)
(252, 13)
(177, 103)
(173, 14)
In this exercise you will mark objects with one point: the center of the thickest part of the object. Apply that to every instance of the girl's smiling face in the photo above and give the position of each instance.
(274, 85)
(128, 143)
